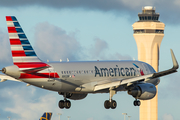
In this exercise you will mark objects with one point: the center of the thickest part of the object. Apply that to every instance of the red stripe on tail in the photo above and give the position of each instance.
(12, 30)
(18, 53)
(15, 42)
(8, 18)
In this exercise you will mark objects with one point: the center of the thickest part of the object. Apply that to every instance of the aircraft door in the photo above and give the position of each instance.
(51, 74)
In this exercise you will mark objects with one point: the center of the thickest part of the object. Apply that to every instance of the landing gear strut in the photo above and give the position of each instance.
(137, 103)
(64, 103)
(110, 103)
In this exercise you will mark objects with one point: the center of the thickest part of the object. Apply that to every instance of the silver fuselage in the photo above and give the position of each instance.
(84, 76)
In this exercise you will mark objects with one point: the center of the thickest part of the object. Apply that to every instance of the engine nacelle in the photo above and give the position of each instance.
(12, 71)
(144, 91)
(74, 96)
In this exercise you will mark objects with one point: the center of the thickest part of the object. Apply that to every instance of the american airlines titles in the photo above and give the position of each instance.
(113, 72)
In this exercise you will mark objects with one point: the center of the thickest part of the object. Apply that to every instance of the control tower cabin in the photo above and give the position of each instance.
(148, 33)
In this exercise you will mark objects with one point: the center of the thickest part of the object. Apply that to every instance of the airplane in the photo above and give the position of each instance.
(76, 79)
(46, 116)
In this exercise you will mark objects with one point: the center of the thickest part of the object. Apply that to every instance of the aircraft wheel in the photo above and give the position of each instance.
(113, 104)
(137, 103)
(61, 104)
(67, 104)
(107, 104)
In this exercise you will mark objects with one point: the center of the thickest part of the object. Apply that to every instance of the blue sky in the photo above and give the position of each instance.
(83, 30)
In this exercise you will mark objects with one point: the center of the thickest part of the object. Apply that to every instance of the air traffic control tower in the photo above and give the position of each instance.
(148, 33)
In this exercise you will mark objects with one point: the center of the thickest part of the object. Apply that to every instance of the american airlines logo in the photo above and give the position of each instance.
(113, 72)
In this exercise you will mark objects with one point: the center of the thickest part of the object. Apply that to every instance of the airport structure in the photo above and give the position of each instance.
(148, 33)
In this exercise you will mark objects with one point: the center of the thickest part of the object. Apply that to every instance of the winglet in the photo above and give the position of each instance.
(172, 70)
(175, 63)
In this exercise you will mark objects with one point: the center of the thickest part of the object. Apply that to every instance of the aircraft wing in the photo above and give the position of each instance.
(140, 78)
(121, 82)
(5, 77)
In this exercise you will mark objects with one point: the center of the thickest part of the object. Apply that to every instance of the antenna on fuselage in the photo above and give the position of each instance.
(67, 60)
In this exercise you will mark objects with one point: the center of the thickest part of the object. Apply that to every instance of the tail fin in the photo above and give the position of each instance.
(46, 116)
(22, 51)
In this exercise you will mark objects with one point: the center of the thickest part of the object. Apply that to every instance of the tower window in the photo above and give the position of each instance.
(149, 17)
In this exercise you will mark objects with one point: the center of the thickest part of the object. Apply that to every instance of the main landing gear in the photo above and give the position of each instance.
(64, 103)
(110, 103)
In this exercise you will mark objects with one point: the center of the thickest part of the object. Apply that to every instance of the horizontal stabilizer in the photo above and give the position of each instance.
(5, 77)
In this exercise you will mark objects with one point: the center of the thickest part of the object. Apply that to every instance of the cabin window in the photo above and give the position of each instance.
(145, 17)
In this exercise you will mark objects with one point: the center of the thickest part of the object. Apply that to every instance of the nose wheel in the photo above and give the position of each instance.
(137, 103)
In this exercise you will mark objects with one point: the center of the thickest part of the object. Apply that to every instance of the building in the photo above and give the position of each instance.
(148, 33)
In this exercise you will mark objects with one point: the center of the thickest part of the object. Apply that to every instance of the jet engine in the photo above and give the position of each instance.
(144, 91)
(12, 71)
(74, 96)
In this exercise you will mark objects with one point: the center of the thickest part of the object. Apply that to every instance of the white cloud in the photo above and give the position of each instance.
(99, 51)
(137, 4)
(99, 48)
(54, 43)
(90, 119)
(5, 54)
(167, 117)
(27, 106)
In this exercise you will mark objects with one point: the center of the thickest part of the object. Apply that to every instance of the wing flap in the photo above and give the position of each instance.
(121, 82)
